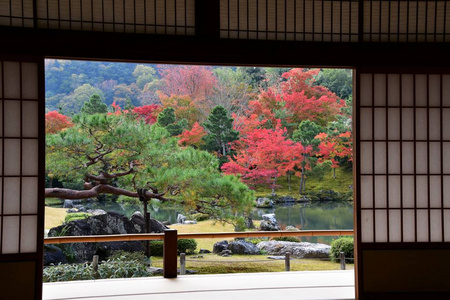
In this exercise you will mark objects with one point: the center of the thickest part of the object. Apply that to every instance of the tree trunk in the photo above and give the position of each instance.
(273, 186)
(334, 173)
(302, 181)
(289, 180)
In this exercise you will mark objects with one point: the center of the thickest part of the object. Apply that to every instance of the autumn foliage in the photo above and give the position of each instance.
(55, 122)
(193, 137)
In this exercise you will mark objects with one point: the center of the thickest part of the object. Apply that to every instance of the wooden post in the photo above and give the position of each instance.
(182, 263)
(342, 257)
(287, 262)
(170, 254)
(148, 226)
(95, 263)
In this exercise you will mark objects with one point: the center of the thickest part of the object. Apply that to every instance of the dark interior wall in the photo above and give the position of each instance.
(17, 280)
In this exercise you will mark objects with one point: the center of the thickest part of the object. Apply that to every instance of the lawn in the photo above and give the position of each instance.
(54, 216)
(214, 264)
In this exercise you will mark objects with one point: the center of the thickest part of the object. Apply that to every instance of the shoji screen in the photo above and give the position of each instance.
(21, 216)
(294, 20)
(403, 167)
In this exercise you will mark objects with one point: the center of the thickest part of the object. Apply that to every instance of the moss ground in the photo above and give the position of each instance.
(214, 264)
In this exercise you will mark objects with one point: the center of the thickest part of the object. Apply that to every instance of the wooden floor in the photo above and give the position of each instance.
(284, 285)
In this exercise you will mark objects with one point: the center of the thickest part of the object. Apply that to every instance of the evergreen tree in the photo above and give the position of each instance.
(167, 119)
(220, 131)
(94, 106)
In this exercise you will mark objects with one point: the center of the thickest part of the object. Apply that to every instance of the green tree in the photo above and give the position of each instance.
(94, 106)
(115, 154)
(305, 134)
(167, 119)
(144, 74)
(220, 130)
(72, 103)
(339, 81)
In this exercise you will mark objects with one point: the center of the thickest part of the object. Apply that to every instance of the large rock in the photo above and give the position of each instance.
(103, 224)
(68, 204)
(220, 246)
(181, 219)
(298, 250)
(243, 247)
(53, 255)
(269, 223)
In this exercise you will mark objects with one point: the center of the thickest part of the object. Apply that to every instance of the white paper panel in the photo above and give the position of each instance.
(30, 157)
(408, 225)
(30, 81)
(435, 124)
(446, 225)
(408, 191)
(408, 158)
(380, 89)
(393, 89)
(12, 118)
(446, 124)
(394, 123)
(28, 239)
(446, 158)
(407, 90)
(394, 158)
(422, 225)
(1, 155)
(380, 123)
(10, 238)
(446, 183)
(366, 158)
(381, 226)
(394, 192)
(380, 191)
(435, 192)
(367, 226)
(422, 191)
(421, 90)
(30, 115)
(380, 158)
(366, 191)
(12, 156)
(29, 195)
(421, 124)
(407, 124)
(12, 80)
(421, 158)
(435, 158)
(395, 230)
(366, 89)
(436, 225)
(366, 124)
(11, 196)
(446, 90)
(434, 90)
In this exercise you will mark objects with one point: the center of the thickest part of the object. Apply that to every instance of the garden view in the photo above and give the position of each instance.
(210, 149)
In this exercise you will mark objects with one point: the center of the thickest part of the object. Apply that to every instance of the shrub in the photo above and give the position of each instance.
(156, 248)
(128, 256)
(76, 216)
(122, 268)
(187, 246)
(344, 244)
(287, 239)
(68, 273)
(200, 217)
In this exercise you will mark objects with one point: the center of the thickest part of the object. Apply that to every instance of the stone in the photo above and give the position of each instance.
(225, 253)
(68, 204)
(190, 222)
(286, 199)
(269, 223)
(53, 255)
(104, 224)
(249, 223)
(279, 257)
(155, 271)
(202, 251)
(181, 219)
(72, 210)
(264, 203)
(220, 246)
(243, 247)
(96, 212)
(291, 228)
(297, 250)
(82, 209)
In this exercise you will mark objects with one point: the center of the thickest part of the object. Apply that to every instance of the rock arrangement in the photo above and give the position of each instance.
(102, 223)
(223, 248)
(269, 223)
(297, 250)
(264, 203)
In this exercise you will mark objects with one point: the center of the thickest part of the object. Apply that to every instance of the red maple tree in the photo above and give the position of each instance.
(193, 137)
(55, 122)
(147, 112)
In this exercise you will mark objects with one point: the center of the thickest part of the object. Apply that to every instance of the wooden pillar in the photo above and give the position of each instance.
(170, 254)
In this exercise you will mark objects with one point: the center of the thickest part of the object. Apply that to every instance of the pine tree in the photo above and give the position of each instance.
(167, 119)
(94, 106)
(220, 131)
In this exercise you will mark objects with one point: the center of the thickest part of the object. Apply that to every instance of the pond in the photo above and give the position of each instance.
(318, 215)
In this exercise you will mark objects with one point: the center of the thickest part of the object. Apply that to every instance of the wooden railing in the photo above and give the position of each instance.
(171, 236)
